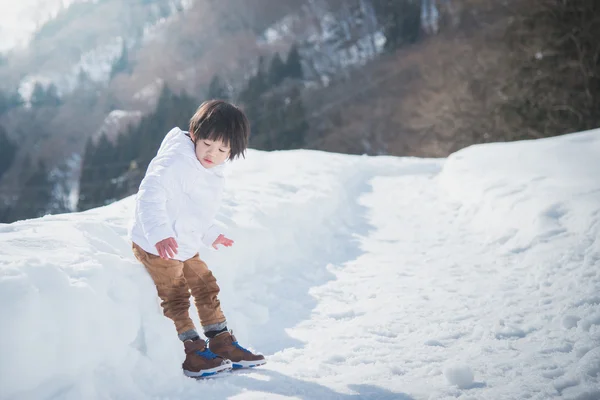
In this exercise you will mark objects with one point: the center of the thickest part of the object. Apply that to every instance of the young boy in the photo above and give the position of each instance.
(176, 206)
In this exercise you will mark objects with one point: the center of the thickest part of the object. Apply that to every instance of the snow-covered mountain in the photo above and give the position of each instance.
(91, 36)
(472, 277)
(20, 19)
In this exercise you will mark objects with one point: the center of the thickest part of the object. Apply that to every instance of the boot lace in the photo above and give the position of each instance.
(206, 353)
(236, 344)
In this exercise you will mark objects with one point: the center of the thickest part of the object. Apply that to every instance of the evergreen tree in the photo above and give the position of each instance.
(52, 96)
(89, 175)
(38, 95)
(294, 64)
(26, 167)
(401, 21)
(277, 70)
(42, 97)
(257, 84)
(8, 101)
(282, 120)
(126, 147)
(5, 212)
(274, 107)
(7, 152)
(217, 89)
(106, 167)
(293, 130)
(260, 82)
(171, 110)
(15, 100)
(97, 174)
(251, 95)
(35, 196)
(122, 64)
(268, 120)
(85, 93)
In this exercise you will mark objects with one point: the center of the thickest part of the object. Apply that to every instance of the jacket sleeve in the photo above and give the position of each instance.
(212, 233)
(152, 204)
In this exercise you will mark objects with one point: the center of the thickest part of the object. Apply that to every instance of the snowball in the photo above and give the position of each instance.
(459, 375)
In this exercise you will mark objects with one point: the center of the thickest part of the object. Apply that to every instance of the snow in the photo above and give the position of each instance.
(27, 86)
(150, 93)
(472, 277)
(97, 63)
(459, 375)
(116, 122)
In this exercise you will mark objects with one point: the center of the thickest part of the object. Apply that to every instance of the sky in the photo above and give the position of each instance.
(471, 277)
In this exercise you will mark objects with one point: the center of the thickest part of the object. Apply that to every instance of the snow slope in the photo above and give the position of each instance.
(475, 277)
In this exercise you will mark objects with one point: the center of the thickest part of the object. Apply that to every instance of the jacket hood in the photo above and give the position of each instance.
(177, 143)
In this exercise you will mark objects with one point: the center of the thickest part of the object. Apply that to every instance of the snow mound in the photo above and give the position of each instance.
(357, 277)
(525, 193)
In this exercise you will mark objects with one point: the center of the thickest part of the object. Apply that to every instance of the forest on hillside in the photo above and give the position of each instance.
(394, 77)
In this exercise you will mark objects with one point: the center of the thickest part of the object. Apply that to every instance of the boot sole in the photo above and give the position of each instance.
(248, 364)
(208, 372)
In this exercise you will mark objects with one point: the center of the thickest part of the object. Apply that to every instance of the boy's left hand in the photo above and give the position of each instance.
(222, 240)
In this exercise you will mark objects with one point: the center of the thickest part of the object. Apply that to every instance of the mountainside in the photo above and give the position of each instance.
(20, 20)
(106, 72)
(377, 77)
(84, 39)
(358, 277)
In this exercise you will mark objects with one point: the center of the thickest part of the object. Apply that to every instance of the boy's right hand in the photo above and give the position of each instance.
(167, 248)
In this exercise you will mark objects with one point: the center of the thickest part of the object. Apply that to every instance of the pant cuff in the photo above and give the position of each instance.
(215, 327)
(188, 335)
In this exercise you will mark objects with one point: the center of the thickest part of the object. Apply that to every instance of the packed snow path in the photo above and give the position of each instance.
(476, 277)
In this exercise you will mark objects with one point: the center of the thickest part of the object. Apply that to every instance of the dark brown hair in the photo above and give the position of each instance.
(220, 120)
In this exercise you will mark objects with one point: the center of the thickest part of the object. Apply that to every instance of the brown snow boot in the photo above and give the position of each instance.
(226, 346)
(200, 361)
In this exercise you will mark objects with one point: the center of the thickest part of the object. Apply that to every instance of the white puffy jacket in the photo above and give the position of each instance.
(177, 198)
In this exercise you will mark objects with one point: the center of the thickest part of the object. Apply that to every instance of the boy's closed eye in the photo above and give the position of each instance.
(220, 149)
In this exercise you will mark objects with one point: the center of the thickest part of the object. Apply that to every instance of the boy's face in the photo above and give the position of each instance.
(211, 153)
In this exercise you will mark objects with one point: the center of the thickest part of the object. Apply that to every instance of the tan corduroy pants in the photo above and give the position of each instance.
(175, 280)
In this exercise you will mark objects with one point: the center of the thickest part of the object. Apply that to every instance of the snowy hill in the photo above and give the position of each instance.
(474, 277)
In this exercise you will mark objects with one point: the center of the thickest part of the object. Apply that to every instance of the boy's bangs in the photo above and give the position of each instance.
(218, 135)
(217, 120)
